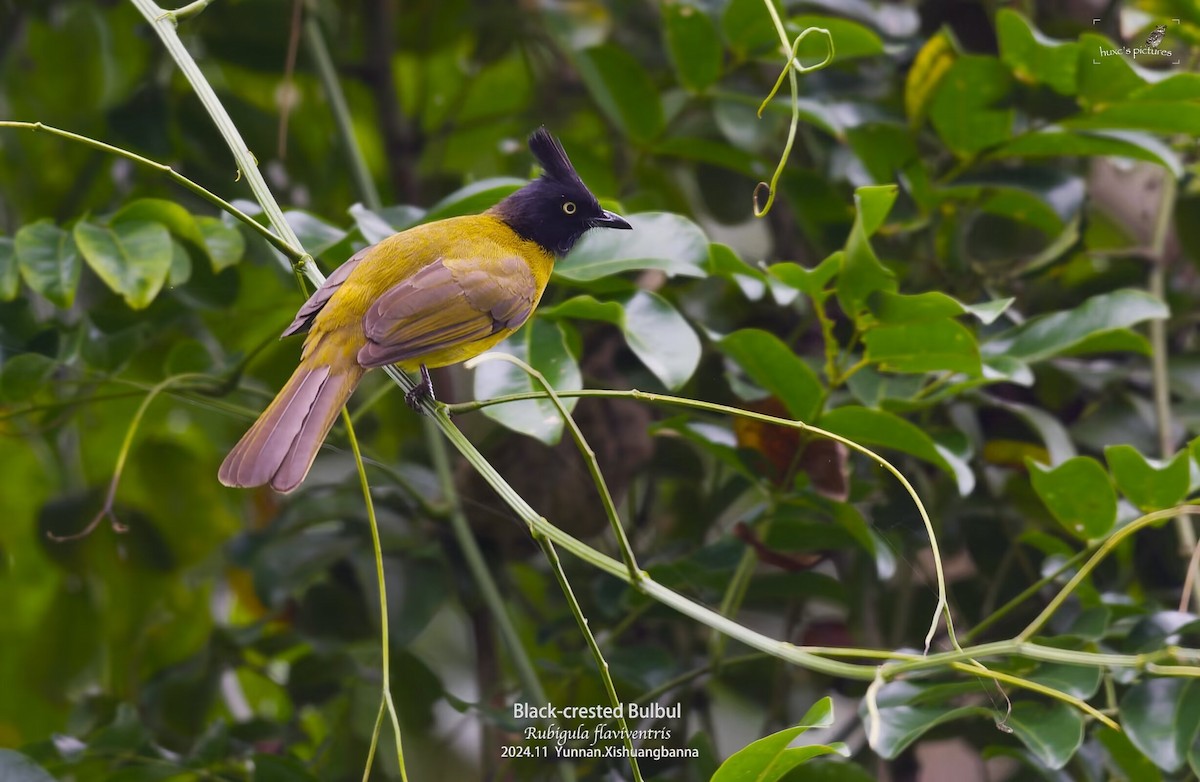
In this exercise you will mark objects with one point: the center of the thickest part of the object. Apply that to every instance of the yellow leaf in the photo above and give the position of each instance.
(930, 65)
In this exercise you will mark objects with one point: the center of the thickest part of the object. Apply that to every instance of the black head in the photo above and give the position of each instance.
(555, 209)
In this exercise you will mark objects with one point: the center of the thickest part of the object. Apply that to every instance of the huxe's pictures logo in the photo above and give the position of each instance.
(1153, 47)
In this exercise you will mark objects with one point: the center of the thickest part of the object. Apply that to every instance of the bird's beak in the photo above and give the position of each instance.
(609, 220)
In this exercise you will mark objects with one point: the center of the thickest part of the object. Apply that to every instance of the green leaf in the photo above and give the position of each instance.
(661, 338)
(851, 39)
(1180, 86)
(668, 242)
(1055, 142)
(769, 758)
(774, 366)
(1056, 333)
(1054, 435)
(752, 282)
(10, 272)
(892, 308)
(834, 770)
(861, 273)
(132, 257)
(714, 153)
(929, 67)
(1078, 494)
(1026, 207)
(22, 375)
(654, 329)
(1149, 484)
(887, 151)
(852, 521)
(747, 26)
(810, 281)
(544, 346)
(375, 226)
(473, 198)
(316, 236)
(718, 442)
(1033, 57)
(280, 768)
(693, 45)
(174, 217)
(1131, 763)
(1117, 341)
(873, 204)
(225, 243)
(1081, 681)
(879, 427)
(15, 767)
(1103, 78)
(1160, 717)
(925, 346)
(1158, 116)
(623, 90)
(1052, 731)
(587, 308)
(901, 721)
(181, 265)
(49, 261)
(1007, 369)
(1046, 198)
(963, 108)
(989, 311)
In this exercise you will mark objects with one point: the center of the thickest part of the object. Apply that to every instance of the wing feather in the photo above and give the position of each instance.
(450, 302)
(321, 296)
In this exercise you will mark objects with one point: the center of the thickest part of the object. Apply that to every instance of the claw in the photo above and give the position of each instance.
(422, 391)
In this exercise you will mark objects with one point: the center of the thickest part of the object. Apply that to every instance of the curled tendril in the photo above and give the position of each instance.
(790, 69)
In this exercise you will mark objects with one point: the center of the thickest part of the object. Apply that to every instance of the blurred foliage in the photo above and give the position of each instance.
(959, 272)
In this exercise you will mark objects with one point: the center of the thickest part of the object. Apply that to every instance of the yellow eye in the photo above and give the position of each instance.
(569, 207)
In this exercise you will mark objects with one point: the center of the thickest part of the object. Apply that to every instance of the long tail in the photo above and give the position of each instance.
(281, 446)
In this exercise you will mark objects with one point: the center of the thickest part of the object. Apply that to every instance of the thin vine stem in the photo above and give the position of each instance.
(585, 450)
(634, 572)
(1109, 544)
(1026, 593)
(374, 740)
(164, 24)
(942, 608)
(1041, 689)
(1157, 258)
(279, 244)
(488, 590)
(323, 62)
(601, 664)
(790, 70)
(461, 529)
(385, 645)
(440, 413)
(106, 509)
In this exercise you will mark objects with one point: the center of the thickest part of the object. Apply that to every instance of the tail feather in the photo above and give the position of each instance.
(281, 445)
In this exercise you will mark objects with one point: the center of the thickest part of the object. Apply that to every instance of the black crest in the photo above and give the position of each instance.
(555, 209)
(553, 158)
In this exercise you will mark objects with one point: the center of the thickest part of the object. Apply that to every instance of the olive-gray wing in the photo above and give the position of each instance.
(321, 296)
(450, 302)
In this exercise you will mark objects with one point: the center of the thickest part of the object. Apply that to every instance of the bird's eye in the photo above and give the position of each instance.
(569, 207)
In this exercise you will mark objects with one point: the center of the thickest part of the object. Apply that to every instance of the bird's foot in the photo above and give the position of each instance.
(421, 392)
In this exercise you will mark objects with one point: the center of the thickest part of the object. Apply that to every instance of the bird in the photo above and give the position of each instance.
(430, 296)
(1156, 36)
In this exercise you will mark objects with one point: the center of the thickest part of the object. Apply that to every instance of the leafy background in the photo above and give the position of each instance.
(970, 267)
